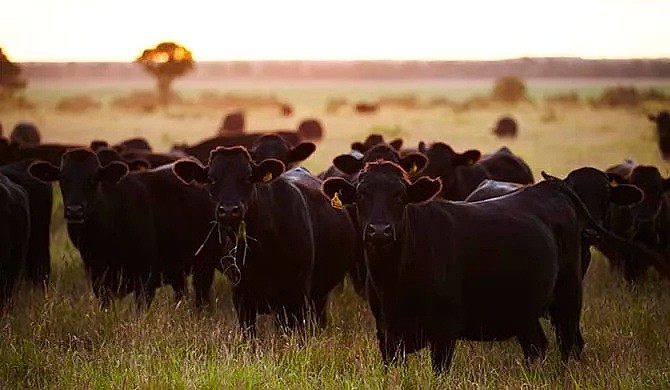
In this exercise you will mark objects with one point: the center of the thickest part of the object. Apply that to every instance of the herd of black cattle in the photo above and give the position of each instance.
(443, 245)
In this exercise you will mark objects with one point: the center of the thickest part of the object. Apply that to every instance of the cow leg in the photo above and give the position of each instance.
(565, 315)
(441, 353)
(179, 287)
(533, 342)
(319, 308)
(203, 277)
(246, 314)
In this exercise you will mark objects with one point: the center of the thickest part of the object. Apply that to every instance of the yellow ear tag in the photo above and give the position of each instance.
(471, 161)
(335, 202)
(414, 169)
(613, 183)
(267, 177)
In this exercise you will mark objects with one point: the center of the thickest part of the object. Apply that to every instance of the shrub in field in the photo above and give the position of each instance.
(408, 101)
(567, 99)
(333, 105)
(139, 100)
(475, 102)
(628, 96)
(229, 101)
(78, 104)
(441, 102)
(509, 89)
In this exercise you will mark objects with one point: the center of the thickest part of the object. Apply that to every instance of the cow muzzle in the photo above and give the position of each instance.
(379, 233)
(75, 213)
(230, 213)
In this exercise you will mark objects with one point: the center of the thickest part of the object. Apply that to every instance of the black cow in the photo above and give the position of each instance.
(489, 188)
(201, 150)
(662, 120)
(358, 150)
(310, 129)
(291, 248)
(274, 146)
(443, 271)
(14, 236)
(647, 223)
(12, 152)
(506, 126)
(375, 139)
(132, 230)
(25, 134)
(461, 173)
(40, 199)
(233, 123)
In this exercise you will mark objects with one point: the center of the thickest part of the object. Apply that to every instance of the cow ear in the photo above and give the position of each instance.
(348, 163)
(469, 157)
(396, 143)
(423, 190)
(358, 146)
(188, 170)
(301, 152)
(626, 195)
(338, 189)
(413, 163)
(44, 171)
(652, 117)
(616, 179)
(113, 172)
(268, 170)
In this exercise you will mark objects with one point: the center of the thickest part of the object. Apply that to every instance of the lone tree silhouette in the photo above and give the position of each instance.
(166, 62)
(10, 76)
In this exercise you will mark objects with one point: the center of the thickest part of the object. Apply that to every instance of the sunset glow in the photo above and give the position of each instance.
(81, 30)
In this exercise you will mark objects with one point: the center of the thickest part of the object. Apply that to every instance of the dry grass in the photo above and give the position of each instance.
(60, 339)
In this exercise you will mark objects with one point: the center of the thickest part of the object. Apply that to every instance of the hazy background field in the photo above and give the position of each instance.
(61, 340)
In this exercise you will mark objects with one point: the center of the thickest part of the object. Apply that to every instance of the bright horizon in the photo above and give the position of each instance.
(95, 31)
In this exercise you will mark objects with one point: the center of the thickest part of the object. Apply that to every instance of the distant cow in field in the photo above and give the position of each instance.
(461, 173)
(506, 126)
(286, 109)
(662, 120)
(132, 230)
(233, 123)
(366, 108)
(14, 236)
(288, 247)
(310, 129)
(25, 134)
(647, 223)
(435, 266)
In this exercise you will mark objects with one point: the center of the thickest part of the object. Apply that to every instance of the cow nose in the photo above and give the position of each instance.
(379, 231)
(74, 213)
(229, 211)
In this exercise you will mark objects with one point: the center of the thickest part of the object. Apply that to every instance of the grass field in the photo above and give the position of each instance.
(60, 339)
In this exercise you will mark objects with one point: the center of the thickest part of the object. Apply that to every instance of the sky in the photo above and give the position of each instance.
(94, 30)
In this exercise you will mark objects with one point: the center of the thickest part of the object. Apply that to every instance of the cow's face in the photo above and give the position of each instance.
(80, 176)
(649, 180)
(597, 193)
(274, 146)
(443, 160)
(381, 195)
(230, 178)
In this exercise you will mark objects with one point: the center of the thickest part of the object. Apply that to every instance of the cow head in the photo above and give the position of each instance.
(274, 146)
(650, 181)
(597, 193)
(443, 160)
(411, 162)
(230, 177)
(80, 176)
(381, 195)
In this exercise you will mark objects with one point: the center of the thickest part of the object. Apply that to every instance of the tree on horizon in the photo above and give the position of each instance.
(166, 62)
(10, 76)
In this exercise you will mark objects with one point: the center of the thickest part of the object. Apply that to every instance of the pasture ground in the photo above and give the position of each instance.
(60, 339)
